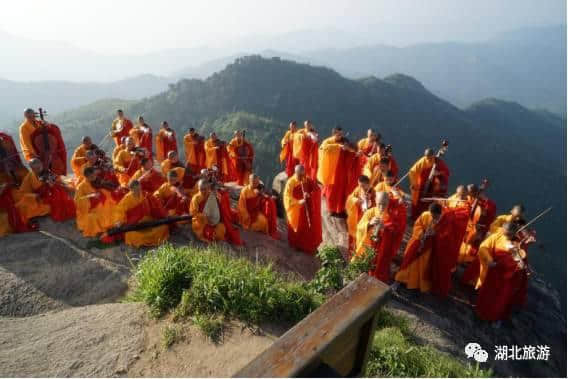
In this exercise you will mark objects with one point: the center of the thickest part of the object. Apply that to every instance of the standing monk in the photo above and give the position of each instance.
(127, 161)
(142, 135)
(150, 179)
(427, 264)
(515, 217)
(370, 145)
(302, 201)
(377, 231)
(359, 201)
(217, 155)
(136, 207)
(459, 198)
(165, 141)
(257, 211)
(120, 127)
(194, 146)
(242, 155)
(79, 155)
(305, 149)
(287, 153)
(337, 171)
(426, 182)
(94, 206)
(43, 193)
(397, 206)
(503, 279)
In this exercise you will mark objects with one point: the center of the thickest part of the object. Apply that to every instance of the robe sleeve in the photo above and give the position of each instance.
(415, 171)
(328, 159)
(362, 229)
(352, 210)
(291, 204)
(244, 217)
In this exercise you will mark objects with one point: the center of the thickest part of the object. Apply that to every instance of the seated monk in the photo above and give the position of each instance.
(359, 201)
(120, 127)
(79, 156)
(427, 262)
(257, 211)
(94, 205)
(194, 146)
(420, 184)
(377, 230)
(43, 193)
(185, 175)
(172, 196)
(212, 220)
(216, 155)
(172, 162)
(136, 207)
(241, 154)
(515, 217)
(337, 171)
(370, 145)
(90, 160)
(286, 154)
(150, 179)
(302, 201)
(482, 213)
(127, 161)
(165, 141)
(142, 135)
(504, 275)
(305, 149)
(118, 148)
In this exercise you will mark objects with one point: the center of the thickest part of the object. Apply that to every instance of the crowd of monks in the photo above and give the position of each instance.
(136, 194)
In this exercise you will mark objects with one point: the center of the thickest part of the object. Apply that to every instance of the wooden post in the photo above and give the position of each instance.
(333, 340)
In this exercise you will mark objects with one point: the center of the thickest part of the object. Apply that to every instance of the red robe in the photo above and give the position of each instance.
(7, 204)
(438, 187)
(307, 238)
(267, 206)
(54, 155)
(125, 132)
(62, 205)
(151, 182)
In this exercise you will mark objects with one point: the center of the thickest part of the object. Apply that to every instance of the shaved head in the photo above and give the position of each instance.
(299, 169)
(429, 152)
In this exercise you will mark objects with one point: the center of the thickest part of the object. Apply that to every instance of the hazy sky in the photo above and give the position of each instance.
(137, 25)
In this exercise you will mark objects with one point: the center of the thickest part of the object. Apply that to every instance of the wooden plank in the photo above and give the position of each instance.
(337, 334)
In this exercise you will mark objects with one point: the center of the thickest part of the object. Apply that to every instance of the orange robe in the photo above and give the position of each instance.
(78, 159)
(125, 160)
(286, 153)
(305, 150)
(26, 130)
(150, 181)
(355, 212)
(224, 230)
(194, 147)
(257, 212)
(126, 126)
(174, 204)
(496, 225)
(189, 182)
(217, 155)
(116, 151)
(371, 169)
(418, 177)
(94, 214)
(337, 172)
(142, 135)
(304, 221)
(505, 285)
(165, 142)
(397, 209)
(135, 209)
(242, 155)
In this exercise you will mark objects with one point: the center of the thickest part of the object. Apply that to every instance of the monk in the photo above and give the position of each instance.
(305, 149)
(359, 201)
(94, 206)
(377, 230)
(376, 169)
(137, 207)
(172, 195)
(211, 216)
(216, 155)
(337, 171)
(194, 146)
(165, 141)
(257, 211)
(43, 193)
(241, 153)
(397, 206)
(421, 185)
(141, 133)
(369, 145)
(90, 160)
(150, 179)
(459, 198)
(427, 265)
(286, 154)
(186, 176)
(127, 161)
(118, 148)
(504, 275)
(302, 201)
(120, 127)
(26, 129)
(78, 158)
(515, 217)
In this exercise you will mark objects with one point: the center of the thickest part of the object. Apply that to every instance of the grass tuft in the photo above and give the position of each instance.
(170, 335)
(212, 327)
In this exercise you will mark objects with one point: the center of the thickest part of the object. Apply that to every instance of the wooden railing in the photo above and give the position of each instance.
(334, 340)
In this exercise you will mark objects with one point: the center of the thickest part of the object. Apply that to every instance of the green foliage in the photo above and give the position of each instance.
(360, 264)
(330, 275)
(170, 335)
(211, 326)
(215, 283)
(395, 354)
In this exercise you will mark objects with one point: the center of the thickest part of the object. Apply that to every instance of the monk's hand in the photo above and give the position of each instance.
(302, 202)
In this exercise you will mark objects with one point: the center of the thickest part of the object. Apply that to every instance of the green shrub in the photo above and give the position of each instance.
(329, 278)
(211, 326)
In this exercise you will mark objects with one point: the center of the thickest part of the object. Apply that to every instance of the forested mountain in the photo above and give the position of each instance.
(520, 151)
